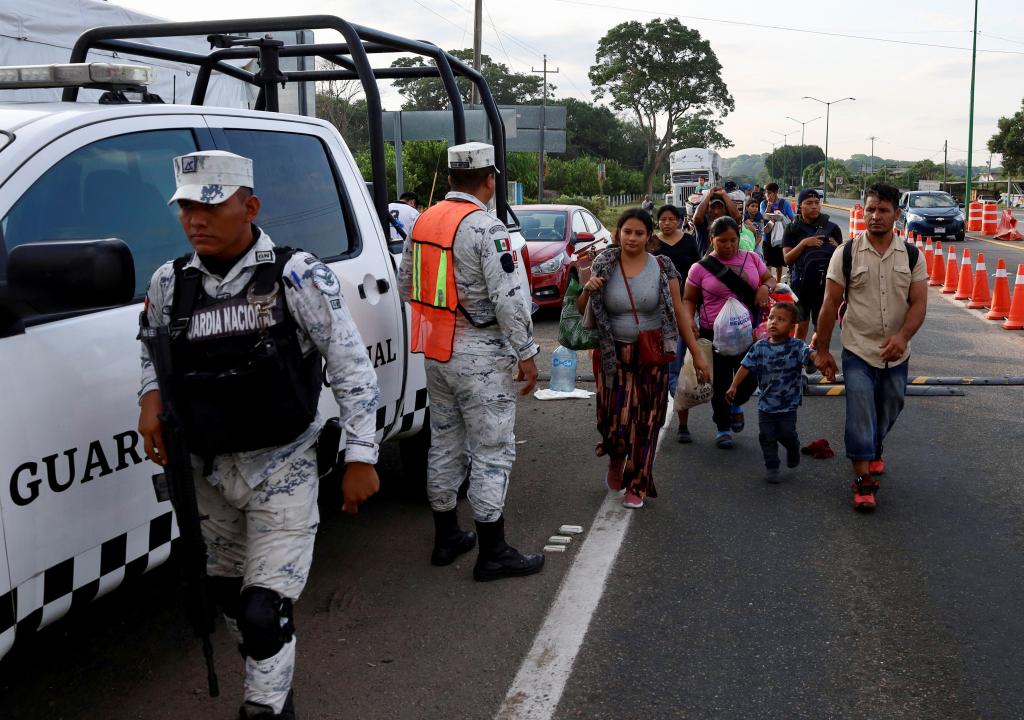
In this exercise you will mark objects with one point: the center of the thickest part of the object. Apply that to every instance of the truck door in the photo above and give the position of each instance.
(77, 508)
(314, 199)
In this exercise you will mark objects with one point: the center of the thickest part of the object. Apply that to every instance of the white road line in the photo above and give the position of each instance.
(538, 686)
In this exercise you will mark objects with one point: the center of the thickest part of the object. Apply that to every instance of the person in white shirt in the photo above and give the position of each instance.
(404, 214)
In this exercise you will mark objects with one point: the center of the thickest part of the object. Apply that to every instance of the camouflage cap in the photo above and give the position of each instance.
(471, 156)
(210, 176)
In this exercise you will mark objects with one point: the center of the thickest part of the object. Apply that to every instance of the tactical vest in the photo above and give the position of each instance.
(435, 299)
(244, 382)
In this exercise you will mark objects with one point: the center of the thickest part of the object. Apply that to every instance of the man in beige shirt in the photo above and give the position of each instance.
(885, 284)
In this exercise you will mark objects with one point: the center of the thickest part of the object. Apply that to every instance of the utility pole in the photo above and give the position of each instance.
(871, 159)
(543, 126)
(785, 155)
(945, 160)
(478, 38)
(803, 124)
(970, 126)
(828, 111)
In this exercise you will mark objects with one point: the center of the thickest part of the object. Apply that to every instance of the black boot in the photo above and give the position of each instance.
(256, 711)
(499, 560)
(449, 540)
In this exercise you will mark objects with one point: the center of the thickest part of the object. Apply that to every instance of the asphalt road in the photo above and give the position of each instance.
(729, 598)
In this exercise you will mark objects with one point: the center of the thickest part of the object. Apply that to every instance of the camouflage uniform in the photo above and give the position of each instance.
(259, 508)
(472, 396)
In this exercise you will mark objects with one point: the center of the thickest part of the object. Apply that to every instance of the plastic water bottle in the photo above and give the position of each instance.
(563, 369)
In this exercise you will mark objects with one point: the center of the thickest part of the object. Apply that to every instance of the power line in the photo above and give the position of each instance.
(805, 31)
(496, 33)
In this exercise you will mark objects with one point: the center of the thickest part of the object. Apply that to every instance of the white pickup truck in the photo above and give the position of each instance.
(78, 515)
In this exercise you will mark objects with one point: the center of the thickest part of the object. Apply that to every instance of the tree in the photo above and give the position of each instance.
(595, 131)
(507, 87)
(1009, 141)
(338, 102)
(784, 163)
(700, 131)
(665, 74)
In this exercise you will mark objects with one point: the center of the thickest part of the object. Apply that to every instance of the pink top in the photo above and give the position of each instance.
(714, 292)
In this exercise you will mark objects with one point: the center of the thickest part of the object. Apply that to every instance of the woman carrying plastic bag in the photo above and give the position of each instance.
(726, 273)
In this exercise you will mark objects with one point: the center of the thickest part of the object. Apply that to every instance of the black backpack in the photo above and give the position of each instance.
(809, 271)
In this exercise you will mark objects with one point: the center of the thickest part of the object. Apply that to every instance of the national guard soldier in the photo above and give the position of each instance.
(249, 324)
(471, 321)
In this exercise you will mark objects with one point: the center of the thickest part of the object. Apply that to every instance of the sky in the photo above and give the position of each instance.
(912, 89)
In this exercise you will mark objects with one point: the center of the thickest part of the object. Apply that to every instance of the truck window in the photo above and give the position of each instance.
(115, 187)
(295, 182)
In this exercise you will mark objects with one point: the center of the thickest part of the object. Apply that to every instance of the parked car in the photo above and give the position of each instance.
(562, 241)
(931, 214)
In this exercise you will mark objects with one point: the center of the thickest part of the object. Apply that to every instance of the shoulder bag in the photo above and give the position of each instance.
(651, 343)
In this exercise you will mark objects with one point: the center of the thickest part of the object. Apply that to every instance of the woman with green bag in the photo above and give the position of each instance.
(571, 333)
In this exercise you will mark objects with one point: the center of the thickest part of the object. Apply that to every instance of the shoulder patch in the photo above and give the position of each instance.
(264, 256)
(497, 229)
(336, 303)
(325, 280)
(508, 264)
(503, 244)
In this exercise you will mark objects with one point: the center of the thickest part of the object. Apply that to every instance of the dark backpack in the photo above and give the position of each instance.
(809, 271)
(847, 249)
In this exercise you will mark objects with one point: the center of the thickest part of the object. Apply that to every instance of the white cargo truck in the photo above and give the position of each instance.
(83, 225)
(687, 168)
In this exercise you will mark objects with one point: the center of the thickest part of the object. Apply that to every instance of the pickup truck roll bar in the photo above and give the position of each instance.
(352, 57)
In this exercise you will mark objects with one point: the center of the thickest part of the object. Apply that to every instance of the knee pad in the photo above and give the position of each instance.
(265, 619)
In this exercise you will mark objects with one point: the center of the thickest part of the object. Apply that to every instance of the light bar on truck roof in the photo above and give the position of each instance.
(74, 74)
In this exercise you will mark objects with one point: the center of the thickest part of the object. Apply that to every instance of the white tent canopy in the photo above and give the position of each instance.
(42, 32)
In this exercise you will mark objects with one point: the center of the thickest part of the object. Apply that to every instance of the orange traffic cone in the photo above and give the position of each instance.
(938, 273)
(951, 272)
(1016, 319)
(929, 255)
(981, 297)
(966, 282)
(1000, 294)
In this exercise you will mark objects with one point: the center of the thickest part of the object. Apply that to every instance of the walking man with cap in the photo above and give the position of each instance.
(249, 324)
(807, 246)
(472, 322)
(716, 203)
(886, 294)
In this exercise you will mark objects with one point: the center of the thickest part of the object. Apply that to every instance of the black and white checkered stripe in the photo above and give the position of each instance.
(416, 418)
(79, 580)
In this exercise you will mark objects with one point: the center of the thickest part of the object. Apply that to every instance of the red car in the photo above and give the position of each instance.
(562, 241)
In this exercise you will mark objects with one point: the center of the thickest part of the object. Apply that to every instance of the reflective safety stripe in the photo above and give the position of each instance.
(416, 259)
(442, 279)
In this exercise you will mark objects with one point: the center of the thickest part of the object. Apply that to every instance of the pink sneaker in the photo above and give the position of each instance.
(632, 501)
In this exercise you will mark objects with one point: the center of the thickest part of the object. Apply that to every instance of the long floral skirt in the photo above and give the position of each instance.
(630, 413)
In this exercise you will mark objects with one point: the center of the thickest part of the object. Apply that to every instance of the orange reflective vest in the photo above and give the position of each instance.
(435, 299)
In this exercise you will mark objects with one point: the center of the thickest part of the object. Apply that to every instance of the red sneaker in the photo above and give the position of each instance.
(864, 491)
(876, 467)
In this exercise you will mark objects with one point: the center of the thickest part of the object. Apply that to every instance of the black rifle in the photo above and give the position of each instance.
(177, 484)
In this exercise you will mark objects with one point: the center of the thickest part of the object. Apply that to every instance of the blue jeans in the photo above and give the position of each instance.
(874, 399)
(676, 367)
(777, 429)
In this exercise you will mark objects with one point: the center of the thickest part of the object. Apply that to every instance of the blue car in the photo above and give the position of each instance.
(933, 214)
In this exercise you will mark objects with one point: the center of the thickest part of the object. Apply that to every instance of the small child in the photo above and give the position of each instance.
(777, 361)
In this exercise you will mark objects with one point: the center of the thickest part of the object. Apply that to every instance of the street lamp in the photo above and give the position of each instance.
(828, 110)
(785, 157)
(802, 123)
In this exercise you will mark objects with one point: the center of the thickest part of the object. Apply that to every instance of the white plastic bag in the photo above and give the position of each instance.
(734, 331)
(690, 393)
